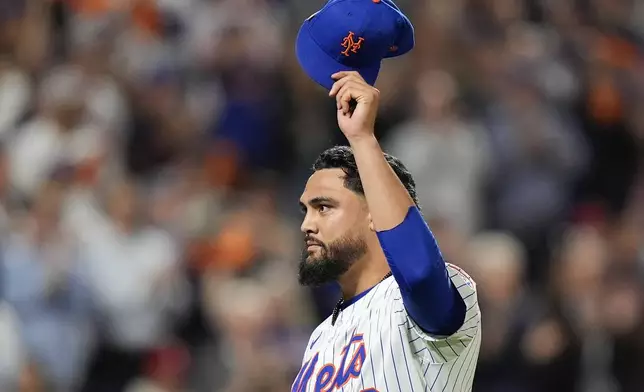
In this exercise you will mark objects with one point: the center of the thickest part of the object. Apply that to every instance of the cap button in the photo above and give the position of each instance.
(376, 1)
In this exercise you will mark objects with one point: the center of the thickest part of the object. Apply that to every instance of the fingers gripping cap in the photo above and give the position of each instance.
(352, 35)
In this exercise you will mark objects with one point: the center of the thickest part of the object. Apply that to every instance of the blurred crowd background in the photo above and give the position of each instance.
(153, 152)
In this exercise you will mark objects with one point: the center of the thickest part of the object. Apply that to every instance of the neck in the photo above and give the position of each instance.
(365, 274)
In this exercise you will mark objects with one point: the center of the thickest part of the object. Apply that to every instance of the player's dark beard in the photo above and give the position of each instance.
(333, 261)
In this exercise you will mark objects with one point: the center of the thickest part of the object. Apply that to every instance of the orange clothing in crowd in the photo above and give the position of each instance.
(145, 14)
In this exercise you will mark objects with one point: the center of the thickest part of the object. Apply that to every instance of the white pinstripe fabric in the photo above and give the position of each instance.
(399, 356)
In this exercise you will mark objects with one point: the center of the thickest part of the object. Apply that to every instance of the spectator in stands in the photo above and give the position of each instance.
(447, 154)
(137, 285)
(42, 281)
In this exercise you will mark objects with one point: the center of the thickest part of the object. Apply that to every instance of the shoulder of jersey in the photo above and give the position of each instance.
(467, 278)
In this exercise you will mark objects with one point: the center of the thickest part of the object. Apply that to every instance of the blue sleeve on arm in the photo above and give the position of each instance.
(416, 262)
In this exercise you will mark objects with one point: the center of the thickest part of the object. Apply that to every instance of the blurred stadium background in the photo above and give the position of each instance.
(153, 152)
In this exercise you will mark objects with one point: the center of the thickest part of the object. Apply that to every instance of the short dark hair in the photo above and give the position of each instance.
(341, 157)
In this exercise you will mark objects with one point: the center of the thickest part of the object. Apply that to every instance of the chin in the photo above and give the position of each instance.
(312, 253)
(312, 258)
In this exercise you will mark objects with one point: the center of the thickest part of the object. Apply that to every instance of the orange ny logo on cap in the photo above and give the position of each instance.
(350, 44)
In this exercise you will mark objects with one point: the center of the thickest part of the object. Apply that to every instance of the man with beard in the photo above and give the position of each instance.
(407, 321)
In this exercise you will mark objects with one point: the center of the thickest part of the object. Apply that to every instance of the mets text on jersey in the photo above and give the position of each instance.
(328, 377)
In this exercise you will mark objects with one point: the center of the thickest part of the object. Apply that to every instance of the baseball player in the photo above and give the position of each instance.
(407, 321)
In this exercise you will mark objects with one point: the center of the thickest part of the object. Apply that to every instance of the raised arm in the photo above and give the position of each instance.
(413, 255)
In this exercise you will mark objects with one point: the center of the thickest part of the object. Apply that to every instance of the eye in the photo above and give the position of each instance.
(323, 209)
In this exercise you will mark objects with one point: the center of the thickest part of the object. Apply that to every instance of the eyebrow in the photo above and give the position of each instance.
(317, 201)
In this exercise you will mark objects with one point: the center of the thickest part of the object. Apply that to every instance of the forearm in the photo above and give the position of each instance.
(386, 196)
(409, 246)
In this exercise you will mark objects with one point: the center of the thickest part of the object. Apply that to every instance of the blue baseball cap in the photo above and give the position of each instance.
(352, 35)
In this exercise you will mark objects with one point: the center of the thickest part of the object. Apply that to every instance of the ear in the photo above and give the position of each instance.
(371, 226)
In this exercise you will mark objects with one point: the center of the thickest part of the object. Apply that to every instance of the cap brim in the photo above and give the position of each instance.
(319, 66)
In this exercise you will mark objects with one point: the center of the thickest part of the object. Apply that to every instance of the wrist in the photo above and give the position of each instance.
(366, 139)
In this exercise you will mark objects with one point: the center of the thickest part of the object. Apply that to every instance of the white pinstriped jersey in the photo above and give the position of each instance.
(375, 346)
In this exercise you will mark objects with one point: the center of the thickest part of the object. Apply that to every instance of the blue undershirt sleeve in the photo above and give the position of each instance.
(417, 264)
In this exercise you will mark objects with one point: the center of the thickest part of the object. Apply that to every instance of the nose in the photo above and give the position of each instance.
(308, 225)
